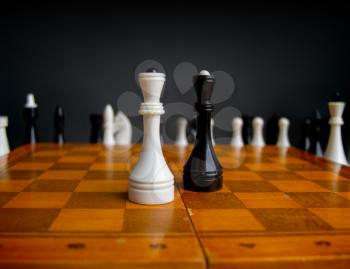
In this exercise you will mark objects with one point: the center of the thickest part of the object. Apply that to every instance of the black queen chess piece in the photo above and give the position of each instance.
(203, 172)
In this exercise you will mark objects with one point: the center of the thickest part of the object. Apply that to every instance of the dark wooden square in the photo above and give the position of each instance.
(121, 175)
(335, 185)
(250, 186)
(279, 175)
(211, 200)
(52, 186)
(8, 174)
(5, 197)
(319, 199)
(70, 166)
(289, 219)
(26, 220)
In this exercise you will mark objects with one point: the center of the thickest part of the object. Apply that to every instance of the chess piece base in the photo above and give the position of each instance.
(202, 181)
(156, 194)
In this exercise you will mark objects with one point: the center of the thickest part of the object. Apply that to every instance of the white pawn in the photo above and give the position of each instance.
(237, 141)
(108, 126)
(4, 144)
(122, 129)
(30, 102)
(335, 150)
(258, 138)
(212, 123)
(283, 138)
(181, 137)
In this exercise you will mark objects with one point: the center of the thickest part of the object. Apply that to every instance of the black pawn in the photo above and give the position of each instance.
(203, 172)
(272, 129)
(96, 128)
(305, 142)
(59, 125)
(247, 130)
(316, 123)
(30, 133)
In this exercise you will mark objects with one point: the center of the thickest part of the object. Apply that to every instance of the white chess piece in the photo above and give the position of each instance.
(4, 144)
(283, 138)
(335, 150)
(30, 103)
(108, 126)
(181, 137)
(151, 181)
(258, 138)
(237, 140)
(122, 129)
(212, 123)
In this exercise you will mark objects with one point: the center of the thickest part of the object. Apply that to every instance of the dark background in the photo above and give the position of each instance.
(287, 59)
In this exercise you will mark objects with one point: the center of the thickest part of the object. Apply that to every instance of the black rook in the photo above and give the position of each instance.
(203, 172)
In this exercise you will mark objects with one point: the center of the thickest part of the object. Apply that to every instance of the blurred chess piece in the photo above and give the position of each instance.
(108, 126)
(96, 128)
(192, 129)
(316, 123)
(30, 114)
(212, 124)
(335, 150)
(247, 131)
(4, 144)
(305, 142)
(59, 125)
(181, 138)
(272, 129)
(237, 140)
(283, 138)
(258, 137)
(122, 129)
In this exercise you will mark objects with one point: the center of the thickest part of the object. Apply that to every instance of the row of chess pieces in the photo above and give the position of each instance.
(116, 129)
(151, 181)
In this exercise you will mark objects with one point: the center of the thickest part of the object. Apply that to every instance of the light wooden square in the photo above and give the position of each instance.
(266, 200)
(206, 220)
(84, 220)
(297, 186)
(38, 200)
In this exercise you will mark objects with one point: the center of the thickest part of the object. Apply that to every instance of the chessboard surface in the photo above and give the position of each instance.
(66, 207)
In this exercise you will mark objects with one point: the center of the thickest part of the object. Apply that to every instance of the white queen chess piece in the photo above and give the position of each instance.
(258, 138)
(122, 129)
(335, 150)
(151, 181)
(283, 138)
(4, 144)
(181, 138)
(237, 140)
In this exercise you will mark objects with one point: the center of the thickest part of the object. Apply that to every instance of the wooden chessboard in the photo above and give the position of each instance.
(67, 207)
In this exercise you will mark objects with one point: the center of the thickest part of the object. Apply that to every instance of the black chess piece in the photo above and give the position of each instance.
(203, 172)
(59, 125)
(315, 145)
(96, 128)
(30, 133)
(271, 129)
(305, 142)
(247, 130)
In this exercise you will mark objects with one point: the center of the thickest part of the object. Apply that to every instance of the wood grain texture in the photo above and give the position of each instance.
(66, 207)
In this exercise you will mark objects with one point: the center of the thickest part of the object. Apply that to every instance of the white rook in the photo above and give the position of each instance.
(151, 181)
(4, 144)
(335, 149)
